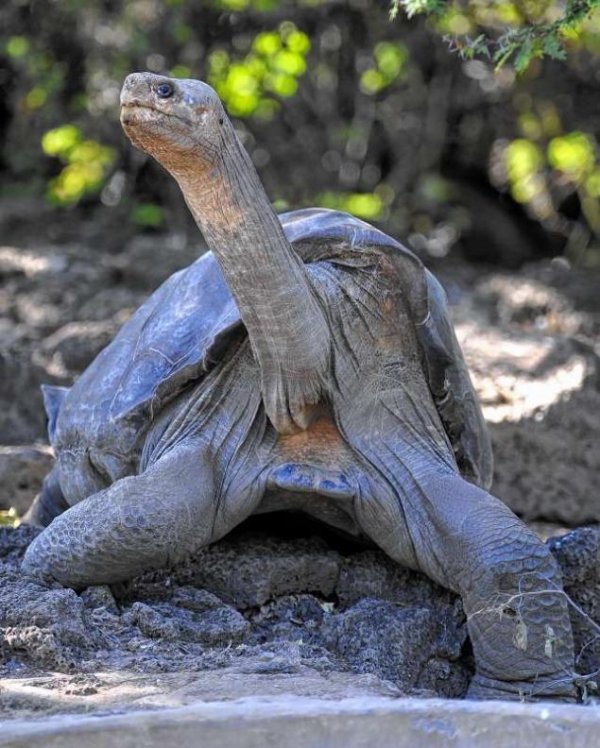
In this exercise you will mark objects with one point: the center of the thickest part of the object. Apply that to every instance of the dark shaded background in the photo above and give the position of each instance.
(338, 107)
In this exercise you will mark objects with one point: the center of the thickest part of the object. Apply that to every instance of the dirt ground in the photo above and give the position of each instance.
(269, 608)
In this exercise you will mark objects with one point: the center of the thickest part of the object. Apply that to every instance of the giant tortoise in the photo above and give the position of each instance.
(306, 362)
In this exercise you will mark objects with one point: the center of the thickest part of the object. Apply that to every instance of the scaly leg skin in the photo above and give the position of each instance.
(517, 612)
(139, 523)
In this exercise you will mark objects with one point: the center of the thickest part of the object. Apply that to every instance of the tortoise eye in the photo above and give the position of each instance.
(165, 90)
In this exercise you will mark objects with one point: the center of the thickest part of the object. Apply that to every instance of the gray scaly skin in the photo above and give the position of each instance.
(306, 362)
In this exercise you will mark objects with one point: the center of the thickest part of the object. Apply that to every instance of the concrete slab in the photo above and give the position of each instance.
(299, 722)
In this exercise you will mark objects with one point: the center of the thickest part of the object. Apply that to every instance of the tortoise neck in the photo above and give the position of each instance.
(287, 328)
(235, 217)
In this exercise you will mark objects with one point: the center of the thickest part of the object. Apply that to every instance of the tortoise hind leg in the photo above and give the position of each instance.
(139, 523)
(517, 612)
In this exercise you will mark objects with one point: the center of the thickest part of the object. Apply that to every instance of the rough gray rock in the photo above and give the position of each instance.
(43, 625)
(371, 573)
(191, 616)
(22, 471)
(396, 642)
(265, 570)
(362, 614)
(578, 554)
(251, 610)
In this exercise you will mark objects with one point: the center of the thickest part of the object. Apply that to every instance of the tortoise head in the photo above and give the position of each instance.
(178, 122)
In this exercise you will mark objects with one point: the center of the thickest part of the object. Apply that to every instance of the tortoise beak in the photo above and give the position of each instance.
(136, 90)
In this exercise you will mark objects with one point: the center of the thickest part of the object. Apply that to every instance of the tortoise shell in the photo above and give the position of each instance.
(183, 328)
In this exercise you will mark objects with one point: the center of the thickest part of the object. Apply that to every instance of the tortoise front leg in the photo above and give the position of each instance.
(139, 523)
(471, 543)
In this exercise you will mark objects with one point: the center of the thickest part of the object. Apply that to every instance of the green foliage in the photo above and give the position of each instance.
(571, 158)
(239, 5)
(44, 75)
(270, 70)
(369, 206)
(86, 164)
(16, 47)
(389, 61)
(180, 71)
(524, 160)
(573, 154)
(414, 7)
(516, 32)
(148, 215)
(366, 132)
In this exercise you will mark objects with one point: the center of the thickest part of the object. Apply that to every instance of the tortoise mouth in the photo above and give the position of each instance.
(136, 113)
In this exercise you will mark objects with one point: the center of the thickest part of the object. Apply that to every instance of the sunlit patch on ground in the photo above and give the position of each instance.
(517, 336)
(519, 377)
(28, 263)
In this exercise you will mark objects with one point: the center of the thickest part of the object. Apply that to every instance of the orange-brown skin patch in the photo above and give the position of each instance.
(320, 444)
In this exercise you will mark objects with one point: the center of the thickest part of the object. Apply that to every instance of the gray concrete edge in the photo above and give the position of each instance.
(290, 721)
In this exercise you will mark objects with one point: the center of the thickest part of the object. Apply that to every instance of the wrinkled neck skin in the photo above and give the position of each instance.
(230, 204)
(287, 328)
(235, 217)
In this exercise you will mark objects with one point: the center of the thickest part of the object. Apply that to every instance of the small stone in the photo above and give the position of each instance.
(153, 623)
(578, 554)
(14, 541)
(100, 597)
(379, 637)
(75, 345)
(212, 626)
(195, 599)
(38, 645)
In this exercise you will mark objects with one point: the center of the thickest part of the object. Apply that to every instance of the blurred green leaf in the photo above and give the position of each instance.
(17, 47)
(180, 71)
(273, 65)
(523, 158)
(364, 205)
(389, 60)
(87, 163)
(267, 43)
(61, 140)
(574, 154)
(298, 41)
(372, 81)
(36, 98)
(181, 31)
(289, 62)
(367, 205)
(523, 161)
(148, 215)
(434, 188)
(593, 184)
